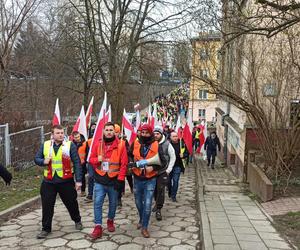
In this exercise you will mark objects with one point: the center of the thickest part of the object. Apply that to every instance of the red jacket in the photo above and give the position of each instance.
(108, 148)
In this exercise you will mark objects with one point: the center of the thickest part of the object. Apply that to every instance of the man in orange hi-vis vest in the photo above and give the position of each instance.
(144, 175)
(109, 160)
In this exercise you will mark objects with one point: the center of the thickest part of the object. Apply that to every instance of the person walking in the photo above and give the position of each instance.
(145, 175)
(211, 144)
(177, 169)
(168, 158)
(109, 159)
(57, 157)
(79, 142)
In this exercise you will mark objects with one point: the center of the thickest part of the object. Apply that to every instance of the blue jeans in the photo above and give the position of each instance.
(174, 181)
(100, 192)
(91, 173)
(143, 193)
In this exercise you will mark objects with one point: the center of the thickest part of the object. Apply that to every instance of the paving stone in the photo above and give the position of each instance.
(10, 241)
(105, 245)
(10, 233)
(270, 236)
(29, 216)
(181, 235)
(121, 239)
(221, 231)
(276, 244)
(182, 224)
(169, 241)
(74, 236)
(79, 244)
(144, 241)
(27, 222)
(248, 237)
(55, 234)
(10, 227)
(55, 243)
(224, 239)
(267, 229)
(226, 247)
(192, 229)
(159, 234)
(171, 228)
(182, 247)
(130, 247)
(30, 228)
(250, 245)
(244, 230)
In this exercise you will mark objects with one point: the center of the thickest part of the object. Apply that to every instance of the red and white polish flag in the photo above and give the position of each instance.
(56, 116)
(89, 113)
(80, 124)
(187, 133)
(129, 130)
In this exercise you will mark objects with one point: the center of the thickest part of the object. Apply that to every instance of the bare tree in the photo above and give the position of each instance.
(119, 28)
(13, 14)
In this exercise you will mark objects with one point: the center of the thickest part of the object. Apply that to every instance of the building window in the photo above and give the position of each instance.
(202, 94)
(203, 54)
(204, 73)
(201, 113)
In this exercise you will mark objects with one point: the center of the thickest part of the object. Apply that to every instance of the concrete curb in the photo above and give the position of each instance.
(12, 212)
(204, 232)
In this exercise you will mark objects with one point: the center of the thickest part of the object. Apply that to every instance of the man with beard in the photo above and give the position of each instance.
(144, 175)
(109, 159)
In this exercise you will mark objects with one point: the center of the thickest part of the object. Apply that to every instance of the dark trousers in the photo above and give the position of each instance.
(84, 172)
(68, 196)
(211, 156)
(159, 193)
(91, 172)
(130, 183)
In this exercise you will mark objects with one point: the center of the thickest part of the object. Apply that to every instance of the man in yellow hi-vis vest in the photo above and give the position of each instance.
(59, 159)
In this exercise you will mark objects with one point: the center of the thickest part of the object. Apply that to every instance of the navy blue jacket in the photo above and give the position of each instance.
(212, 144)
(39, 160)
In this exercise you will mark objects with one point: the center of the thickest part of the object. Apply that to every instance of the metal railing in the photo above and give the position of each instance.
(18, 149)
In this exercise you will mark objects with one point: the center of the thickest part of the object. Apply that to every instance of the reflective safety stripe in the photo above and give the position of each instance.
(108, 171)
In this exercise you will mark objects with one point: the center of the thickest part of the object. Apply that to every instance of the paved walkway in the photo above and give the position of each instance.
(177, 231)
(230, 219)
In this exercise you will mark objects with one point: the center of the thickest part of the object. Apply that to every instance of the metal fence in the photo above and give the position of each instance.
(4, 145)
(18, 149)
(23, 146)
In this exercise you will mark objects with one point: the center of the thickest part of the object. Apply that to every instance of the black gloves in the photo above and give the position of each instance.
(118, 185)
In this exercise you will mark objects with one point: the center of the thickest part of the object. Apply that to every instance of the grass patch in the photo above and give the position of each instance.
(289, 224)
(25, 185)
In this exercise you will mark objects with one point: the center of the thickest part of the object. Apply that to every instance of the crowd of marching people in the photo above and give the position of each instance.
(151, 158)
(173, 104)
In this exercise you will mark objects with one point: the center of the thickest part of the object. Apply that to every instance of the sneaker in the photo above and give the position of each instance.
(110, 225)
(212, 166)
(89, 198)
(174, 200)
(97, 233)
(208, 164)
(78, 225)
(154, 209)
(42, 235)
(158, 215)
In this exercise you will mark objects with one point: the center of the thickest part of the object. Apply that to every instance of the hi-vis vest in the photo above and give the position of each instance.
(111, 166)
(60, 162)
(137, 156)
(83, 150)
(197, 134)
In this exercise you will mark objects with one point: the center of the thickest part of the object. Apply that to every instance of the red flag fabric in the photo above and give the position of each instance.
(102, 119)
(89, 112)
(128, 128)
(187, 134)
(80, 124)
(56, 116)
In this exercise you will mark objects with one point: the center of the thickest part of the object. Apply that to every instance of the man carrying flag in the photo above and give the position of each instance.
(109, 159)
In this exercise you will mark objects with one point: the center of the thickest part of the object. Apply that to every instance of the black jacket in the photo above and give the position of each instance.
(178, 161)
(212, 144)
